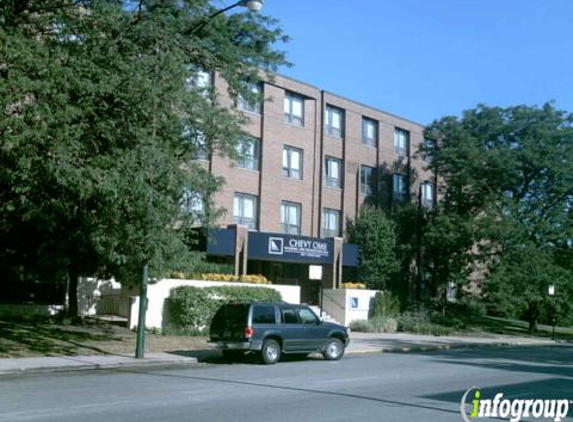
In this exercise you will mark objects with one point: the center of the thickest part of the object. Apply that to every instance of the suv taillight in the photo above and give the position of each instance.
(249, 332)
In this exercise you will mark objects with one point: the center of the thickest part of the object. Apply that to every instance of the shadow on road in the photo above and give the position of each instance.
(554, 360)
(293, 389)
(215, 357)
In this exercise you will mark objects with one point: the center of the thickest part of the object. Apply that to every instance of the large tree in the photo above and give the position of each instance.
(508, 176)
(99, 126)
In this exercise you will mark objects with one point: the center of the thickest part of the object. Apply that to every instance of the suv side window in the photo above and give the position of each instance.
(264, 314)
(289, 316)
(307, 316)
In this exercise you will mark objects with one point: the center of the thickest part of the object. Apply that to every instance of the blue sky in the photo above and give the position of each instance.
(423, 59)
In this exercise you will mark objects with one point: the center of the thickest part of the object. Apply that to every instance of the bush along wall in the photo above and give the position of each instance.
(190, 309)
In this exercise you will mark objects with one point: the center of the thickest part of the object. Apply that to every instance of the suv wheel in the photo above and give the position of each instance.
(271, 352)
(334, 349)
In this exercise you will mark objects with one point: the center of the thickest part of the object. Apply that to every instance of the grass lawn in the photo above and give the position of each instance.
(480, 325)
(26, 339)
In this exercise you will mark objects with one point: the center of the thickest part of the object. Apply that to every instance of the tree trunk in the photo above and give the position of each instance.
(72, 294)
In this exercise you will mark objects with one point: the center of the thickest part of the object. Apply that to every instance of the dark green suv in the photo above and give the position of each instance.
(272, 329)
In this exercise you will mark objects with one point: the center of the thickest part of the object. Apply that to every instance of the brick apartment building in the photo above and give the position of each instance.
(313, 159)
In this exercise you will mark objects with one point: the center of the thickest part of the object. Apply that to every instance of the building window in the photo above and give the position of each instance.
(294, 109)
(334, 123)
(248, 150)
(290, 217)
(252, 105)
(428, 150)
(198, 79)
(245, 210)
(292, 163)
(367, 180)
(330, 223)
(427, 194)
(196, 142)
(399, 188)
(333, 172)
(401, 143)
(192, 203)
(369, 132)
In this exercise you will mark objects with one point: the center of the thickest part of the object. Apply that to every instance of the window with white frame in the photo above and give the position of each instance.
(369, 132)
(367, 180)
(198, 79)
(290, 217)
(245, 210)
(427, 194)
(333, 172)
(197, 143)
(334, 121)
(428, 150)
(401, 142)
(330, 223)
(192, 203)
(248, 151)
(253, 104)
(399, 187)
(292, 163)
(294, 109)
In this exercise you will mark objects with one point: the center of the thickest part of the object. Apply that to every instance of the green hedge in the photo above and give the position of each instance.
(190, 309)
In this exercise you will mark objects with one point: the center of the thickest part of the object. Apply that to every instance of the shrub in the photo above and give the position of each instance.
(473, 306)
(190, 309)
(254, 279)
(352, 285)
(419, 323)
(203, 267)
(377, 325)
(384, 304)
(362, 326)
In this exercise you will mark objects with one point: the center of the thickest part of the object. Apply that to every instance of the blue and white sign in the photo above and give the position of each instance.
(281, 247)
(353, 302)
(278, 247)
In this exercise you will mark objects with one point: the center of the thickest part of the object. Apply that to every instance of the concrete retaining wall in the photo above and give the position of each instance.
(347, 305)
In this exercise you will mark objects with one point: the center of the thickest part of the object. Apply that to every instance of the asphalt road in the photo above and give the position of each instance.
(380, 387)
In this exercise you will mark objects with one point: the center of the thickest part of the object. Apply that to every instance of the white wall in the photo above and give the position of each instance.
(158, 292)
(347, 305)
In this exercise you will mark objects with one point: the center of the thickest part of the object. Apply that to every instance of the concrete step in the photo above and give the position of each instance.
(323, 315)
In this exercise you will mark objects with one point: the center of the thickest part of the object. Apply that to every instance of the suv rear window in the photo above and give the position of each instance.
(231, 314)
(264, 314)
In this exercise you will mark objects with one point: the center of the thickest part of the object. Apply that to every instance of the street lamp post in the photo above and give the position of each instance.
(252, 5)
(551, 292)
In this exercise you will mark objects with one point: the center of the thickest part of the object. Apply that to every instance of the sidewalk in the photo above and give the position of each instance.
(360, 343)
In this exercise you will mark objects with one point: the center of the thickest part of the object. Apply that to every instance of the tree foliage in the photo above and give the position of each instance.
(508, 181)
(99, 128)
(375, 234)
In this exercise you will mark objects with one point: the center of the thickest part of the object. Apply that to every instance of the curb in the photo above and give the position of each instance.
(438, 347)
(155, 364)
